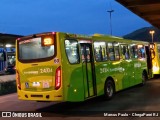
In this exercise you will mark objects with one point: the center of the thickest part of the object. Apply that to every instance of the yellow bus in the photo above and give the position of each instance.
(58, 66)
(155, 57)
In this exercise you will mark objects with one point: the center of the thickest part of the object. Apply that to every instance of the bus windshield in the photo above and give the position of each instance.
(32, 49)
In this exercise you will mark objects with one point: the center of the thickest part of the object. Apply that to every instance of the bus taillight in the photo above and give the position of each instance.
(58, 78)
(18, 80)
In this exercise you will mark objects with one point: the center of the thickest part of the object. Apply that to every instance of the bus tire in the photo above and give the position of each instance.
(109, 89)
(144, 78)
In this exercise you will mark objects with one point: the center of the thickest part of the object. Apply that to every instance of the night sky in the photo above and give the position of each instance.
(24, 17)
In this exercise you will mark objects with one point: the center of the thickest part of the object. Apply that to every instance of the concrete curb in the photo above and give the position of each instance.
(6, 78)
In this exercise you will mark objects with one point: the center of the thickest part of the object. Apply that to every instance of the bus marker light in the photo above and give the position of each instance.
(53, 33)
(18, 38)
(75, 90)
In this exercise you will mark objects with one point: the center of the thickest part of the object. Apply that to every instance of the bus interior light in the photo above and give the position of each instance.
(140, 46)
(151, 46)
(133, 44)
(8, 45)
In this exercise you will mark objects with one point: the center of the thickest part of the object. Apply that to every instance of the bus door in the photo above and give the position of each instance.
(88, 70)
(152, 50)
(154, 58)
(149, 61)
(127, 65)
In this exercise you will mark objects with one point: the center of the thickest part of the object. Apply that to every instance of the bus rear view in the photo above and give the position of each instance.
(38, 66)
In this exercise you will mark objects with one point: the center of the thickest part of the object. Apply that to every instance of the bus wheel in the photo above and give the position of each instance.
(144, 78)
(109, 89)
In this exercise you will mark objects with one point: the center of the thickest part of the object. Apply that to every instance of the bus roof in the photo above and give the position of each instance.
(99, 37)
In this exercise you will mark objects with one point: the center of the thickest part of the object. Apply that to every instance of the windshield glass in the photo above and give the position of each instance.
(33, 49)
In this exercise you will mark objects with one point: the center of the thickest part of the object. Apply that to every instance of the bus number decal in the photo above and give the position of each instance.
(56, 60)
(137, 65)
(46, 84)
(27, 84)
(103, 70)
(46, 70)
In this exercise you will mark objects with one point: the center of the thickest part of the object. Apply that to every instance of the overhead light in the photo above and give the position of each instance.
(8, 45)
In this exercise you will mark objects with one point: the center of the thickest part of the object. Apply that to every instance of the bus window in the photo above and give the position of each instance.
(82, 54)
(71, 47)
(116, 50)
(88, 59)
(125, 51)
(111, 51)
(11, 60)
(32, 49)
(88, 54)
(141, 51)
(2, 55)
(100, 51)
(134, 51)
